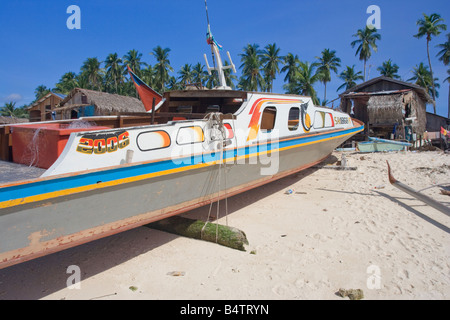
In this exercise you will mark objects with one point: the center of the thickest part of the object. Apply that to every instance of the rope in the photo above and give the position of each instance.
(215, 123)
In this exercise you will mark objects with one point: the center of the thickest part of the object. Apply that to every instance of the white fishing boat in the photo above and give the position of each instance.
(199, 146)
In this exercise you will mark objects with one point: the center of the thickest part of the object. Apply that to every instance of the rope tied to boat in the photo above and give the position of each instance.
(216, 133)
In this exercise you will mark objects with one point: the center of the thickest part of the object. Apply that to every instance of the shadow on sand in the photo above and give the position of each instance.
(30, 280)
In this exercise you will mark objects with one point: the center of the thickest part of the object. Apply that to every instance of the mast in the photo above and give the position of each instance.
(215, 48)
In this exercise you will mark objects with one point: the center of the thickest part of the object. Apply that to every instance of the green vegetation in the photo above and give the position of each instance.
(259, 68)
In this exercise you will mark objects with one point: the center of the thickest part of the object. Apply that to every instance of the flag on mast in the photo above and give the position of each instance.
(211, 40)
(145, 92)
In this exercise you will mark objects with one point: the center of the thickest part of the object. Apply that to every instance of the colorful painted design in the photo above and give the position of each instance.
(43, 189)
(101, 143)
(255, 111)
(153, 140)
(146, 93)
(229, 130)
(323, 119)
(305, 117)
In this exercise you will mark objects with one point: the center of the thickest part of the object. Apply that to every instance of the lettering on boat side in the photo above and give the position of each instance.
(227, 309)
(102, 143)
(341, 120)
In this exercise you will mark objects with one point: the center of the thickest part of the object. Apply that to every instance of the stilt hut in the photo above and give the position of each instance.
(390, 108)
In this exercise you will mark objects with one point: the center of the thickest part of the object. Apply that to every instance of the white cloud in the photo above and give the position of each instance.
(13, 97)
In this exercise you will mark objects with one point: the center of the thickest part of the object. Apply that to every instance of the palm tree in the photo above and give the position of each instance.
(251, 78)
(41, 91)
(291, 67)
(162, 66)
(212, 80)
(366, 40)
(67, 83)
(444, 56)
(10, 110)
(430, 26)
(327, 62)
(133, 60)
(149, 75)
(93, 72)
(271, 64)
(448, 80)
(199, 74)
(389, 70)
(173, 84)
(186, 74)
(350, 77)
(114, 69)
(422, 77)
(304, 81)
(229, 77)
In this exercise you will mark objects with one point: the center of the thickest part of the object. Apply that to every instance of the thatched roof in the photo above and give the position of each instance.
(105, 103)
(385, 85)
(12, 120)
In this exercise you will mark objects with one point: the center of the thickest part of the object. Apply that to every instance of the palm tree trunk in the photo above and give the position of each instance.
(449, 99)
(325, 91)
(365, 70)
(432, 77)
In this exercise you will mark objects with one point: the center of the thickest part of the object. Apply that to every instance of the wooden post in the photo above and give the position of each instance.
(153, 110)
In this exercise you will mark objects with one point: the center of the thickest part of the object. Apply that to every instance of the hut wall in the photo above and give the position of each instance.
(415, 107)
(385, 109)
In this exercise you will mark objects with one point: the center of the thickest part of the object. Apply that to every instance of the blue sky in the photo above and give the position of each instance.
(38, 48)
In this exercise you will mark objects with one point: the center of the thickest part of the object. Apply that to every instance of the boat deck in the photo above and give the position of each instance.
(11, 172)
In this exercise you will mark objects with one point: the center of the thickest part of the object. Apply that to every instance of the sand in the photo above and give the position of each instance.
(336, 230)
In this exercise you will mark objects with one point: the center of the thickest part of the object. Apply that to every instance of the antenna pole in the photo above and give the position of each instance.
(216, 56)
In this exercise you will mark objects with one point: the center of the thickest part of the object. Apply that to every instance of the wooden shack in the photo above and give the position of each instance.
(390, 108)
(88, 103)
(42, 109)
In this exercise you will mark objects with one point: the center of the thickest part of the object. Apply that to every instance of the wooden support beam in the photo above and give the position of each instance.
(196, 229)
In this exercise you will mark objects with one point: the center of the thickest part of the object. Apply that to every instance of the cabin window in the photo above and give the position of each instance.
(268, 118)
(153, 140)
(294, 117)
(323, 120)
(189, 135)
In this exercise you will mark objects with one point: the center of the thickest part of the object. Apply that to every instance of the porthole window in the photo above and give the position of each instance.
(268, 118)
(294, 117)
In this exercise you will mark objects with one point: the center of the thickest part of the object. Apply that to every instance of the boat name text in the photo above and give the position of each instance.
(341, 120)
(103, 143)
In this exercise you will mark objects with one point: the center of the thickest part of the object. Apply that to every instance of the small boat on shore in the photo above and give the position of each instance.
(200, 146)
(381, 145)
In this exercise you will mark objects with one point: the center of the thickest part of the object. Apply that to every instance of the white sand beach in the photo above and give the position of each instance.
(338, 229)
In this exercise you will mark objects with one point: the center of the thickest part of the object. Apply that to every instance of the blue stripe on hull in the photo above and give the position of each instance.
(56, 184)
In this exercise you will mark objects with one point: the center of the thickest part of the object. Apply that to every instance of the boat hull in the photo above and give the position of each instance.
(73, 209)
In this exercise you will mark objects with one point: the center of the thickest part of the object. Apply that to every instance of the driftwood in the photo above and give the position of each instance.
(223, 235)
(420, 196)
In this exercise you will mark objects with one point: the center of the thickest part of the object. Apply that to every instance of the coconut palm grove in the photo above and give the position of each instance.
(258, 66)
